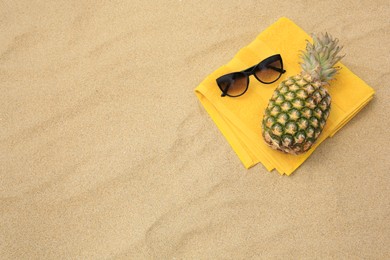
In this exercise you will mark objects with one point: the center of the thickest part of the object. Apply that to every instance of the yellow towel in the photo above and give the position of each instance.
(239, 119)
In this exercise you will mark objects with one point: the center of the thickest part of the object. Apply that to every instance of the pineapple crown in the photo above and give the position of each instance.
(319, 58)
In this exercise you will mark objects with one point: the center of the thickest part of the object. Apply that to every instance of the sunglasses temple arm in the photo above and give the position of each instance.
(276, 69)
(225, 91)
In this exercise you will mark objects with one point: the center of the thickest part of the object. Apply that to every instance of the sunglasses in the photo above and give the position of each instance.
(267, 71)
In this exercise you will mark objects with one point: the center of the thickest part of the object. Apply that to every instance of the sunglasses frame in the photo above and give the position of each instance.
(251, 71)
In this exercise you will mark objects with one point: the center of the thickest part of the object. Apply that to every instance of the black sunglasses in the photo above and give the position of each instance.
(267, 71)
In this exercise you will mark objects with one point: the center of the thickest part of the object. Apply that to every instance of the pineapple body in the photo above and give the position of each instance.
(296, 114)
(299, 107)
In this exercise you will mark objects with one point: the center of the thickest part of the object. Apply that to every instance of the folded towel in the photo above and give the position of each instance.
(239, 119)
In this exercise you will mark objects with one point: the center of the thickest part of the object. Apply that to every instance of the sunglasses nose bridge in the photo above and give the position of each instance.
(250, 71)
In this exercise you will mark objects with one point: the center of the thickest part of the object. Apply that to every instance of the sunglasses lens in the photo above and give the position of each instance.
(234, 85)
(270, 72)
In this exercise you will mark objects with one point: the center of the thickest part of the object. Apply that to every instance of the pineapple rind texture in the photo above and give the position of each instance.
(296, 115)
(300, 105)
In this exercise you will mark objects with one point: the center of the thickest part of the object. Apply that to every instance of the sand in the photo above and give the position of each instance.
(105, 151)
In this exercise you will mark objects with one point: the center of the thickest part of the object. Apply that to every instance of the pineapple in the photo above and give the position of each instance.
(300, 105)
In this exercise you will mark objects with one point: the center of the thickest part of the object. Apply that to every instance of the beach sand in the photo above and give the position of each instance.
(105, 151)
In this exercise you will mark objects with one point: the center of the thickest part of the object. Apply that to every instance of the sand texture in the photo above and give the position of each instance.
(106, 153)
